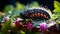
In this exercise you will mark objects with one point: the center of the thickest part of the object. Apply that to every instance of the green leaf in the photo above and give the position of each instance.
(54, 17)
(1, 33)
(19, 6)
(56, 10)
(34, 4)
(56, 5)
(6, 26)
(1, 18)
(21, 32)
(8, 8)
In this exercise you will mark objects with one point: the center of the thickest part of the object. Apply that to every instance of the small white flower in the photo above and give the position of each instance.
(10, 12)
(5, 18)
(19, 19)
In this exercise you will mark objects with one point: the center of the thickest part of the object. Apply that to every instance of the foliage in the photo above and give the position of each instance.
(56, 11)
